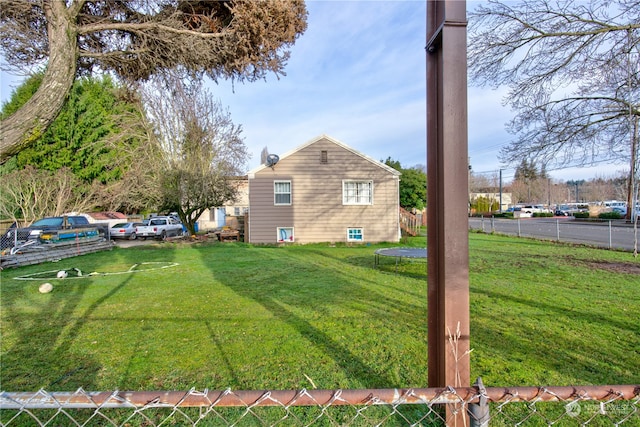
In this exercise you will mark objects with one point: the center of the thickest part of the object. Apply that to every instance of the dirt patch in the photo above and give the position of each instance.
(200, 238)
(616, 267)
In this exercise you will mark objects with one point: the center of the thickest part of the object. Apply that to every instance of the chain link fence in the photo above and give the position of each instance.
(473, 406)
(618, 235)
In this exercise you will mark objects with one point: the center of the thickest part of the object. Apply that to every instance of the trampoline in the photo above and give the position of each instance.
(399, 253)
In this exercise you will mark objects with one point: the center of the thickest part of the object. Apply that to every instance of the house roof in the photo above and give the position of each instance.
(107, 215)
(336, 142)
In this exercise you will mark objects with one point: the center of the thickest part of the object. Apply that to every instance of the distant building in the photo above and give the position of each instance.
(229, 214)
(493, 197)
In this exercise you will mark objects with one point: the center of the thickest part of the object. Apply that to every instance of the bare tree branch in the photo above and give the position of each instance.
(136, 39)
(33, 194)
(573, 72)
(202, 150)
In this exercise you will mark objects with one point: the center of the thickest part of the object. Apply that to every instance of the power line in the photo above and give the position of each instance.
(511, 170)
(486, 149)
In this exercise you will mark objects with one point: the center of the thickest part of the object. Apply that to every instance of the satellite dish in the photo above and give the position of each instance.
(272, 159)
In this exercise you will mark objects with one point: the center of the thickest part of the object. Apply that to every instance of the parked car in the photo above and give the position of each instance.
(33, 231)
(531, 209)
(160, 227)
(125, 230)
(622, 210)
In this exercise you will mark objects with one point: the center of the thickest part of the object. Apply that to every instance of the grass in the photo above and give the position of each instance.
(316, 316)
(552, 314)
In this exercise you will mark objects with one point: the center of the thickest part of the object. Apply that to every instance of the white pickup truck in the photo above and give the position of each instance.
(160, 227)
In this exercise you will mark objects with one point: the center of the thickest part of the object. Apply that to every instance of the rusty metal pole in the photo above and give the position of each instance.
(447, 202)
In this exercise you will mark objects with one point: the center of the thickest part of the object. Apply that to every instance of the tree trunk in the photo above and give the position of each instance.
(29, 122)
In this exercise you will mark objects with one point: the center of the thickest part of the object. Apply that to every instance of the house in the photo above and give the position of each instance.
(323, 191)
(230, 214)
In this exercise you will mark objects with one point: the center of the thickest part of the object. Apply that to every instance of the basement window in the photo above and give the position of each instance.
(285, 234)
(355, 234)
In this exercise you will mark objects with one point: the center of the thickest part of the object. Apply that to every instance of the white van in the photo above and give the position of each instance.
(616, 205)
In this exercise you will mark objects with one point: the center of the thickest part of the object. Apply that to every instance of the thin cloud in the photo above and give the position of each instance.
(357, 74)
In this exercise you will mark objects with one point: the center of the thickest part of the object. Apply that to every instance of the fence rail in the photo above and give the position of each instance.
(477, 406)
(409, 223)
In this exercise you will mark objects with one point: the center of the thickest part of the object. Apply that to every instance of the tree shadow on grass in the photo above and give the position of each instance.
(538, 341)
(40, 329)
(407, 268)
(304, 295)
(41, 356)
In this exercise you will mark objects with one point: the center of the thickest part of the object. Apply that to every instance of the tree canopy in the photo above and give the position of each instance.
(572, 72)
(101, 136)
(28, 194)
(530, 184)
(98, 126)
(413, 185)
(134, 40)
(201, 148)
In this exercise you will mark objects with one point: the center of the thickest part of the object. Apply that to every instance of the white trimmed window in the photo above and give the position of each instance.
(282, 192)
(355, 234)
(285, 234)
(357, 192)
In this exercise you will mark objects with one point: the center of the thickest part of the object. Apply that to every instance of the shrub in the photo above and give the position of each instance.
(542, 214)
(503, 215)
(581, 214)
(610, 215)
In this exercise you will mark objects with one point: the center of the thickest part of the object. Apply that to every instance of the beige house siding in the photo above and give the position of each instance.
(317, 213)
(209, 219)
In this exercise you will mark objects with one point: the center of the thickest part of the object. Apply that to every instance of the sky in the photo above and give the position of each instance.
(358, 74)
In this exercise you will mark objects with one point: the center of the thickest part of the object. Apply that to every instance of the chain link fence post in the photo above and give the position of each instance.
(479, 412)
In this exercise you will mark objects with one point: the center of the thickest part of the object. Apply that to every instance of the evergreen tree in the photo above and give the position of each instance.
(87, 136)
(413, 185)
(100, 136)
(530, 184)
(136, 40)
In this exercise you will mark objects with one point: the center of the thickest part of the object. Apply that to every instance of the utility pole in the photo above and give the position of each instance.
(500, 190)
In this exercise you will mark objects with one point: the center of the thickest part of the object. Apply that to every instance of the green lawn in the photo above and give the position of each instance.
(316, 316)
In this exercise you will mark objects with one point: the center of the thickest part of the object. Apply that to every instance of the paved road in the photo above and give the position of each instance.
(608, 234)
